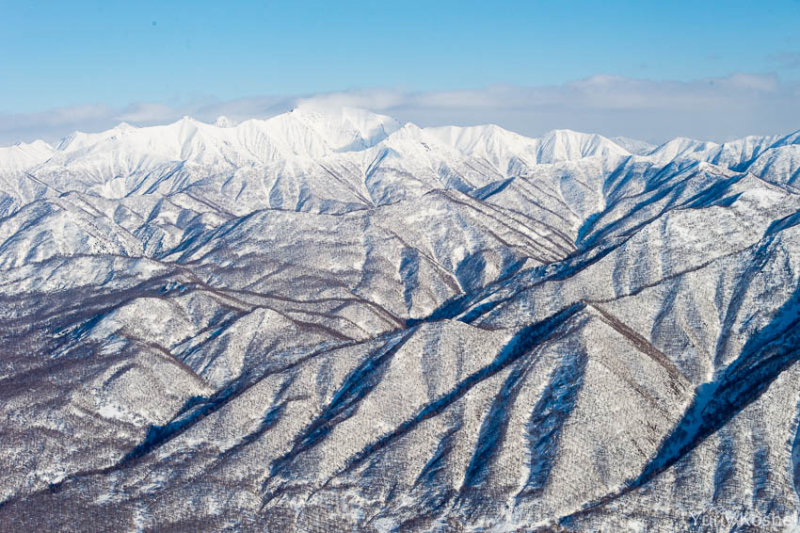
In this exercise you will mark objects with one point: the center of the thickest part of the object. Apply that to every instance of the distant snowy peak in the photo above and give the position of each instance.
(345, 129)
(791, 139)
(568, 145)
(634, 146)
(489, 142)
(24, 155)
(124, 148)
(780, 164)
(684, 147)
(310, 133)
(736, 154)
(79, 140)
(506, 149)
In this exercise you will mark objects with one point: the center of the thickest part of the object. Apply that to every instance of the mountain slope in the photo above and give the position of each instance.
(331, 321)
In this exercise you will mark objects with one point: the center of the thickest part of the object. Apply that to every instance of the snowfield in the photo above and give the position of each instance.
(331, 321)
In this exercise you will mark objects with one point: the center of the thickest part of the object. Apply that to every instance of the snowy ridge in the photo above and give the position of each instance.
(22, 155)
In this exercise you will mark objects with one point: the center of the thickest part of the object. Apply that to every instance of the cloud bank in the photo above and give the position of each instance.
(716, 109)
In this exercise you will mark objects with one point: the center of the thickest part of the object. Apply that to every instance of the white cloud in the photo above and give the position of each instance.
(147, 113)
(714, 108)
(52, 123)
(374, 99)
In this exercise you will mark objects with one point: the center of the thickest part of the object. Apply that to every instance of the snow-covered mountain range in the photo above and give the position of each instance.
(329, 321)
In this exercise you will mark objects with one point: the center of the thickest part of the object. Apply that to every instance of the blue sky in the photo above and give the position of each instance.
(59, 55)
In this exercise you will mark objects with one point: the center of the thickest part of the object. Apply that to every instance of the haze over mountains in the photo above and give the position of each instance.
(329, 320)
